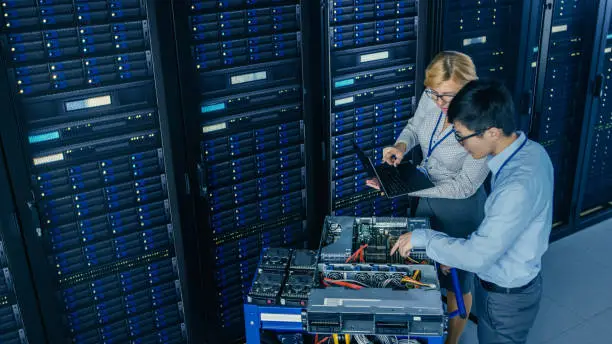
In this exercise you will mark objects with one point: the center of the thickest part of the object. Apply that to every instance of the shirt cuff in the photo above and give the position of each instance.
(420, 237)
(404, 142)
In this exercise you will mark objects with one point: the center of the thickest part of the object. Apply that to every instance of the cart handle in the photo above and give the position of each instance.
(458, 295)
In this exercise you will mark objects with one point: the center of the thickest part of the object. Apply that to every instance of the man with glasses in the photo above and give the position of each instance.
(505, 251)
(455, 204)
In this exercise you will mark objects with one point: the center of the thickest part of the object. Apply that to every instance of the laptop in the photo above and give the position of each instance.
(395, 181)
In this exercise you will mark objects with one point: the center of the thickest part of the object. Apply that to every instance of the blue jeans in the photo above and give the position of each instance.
(506, 318)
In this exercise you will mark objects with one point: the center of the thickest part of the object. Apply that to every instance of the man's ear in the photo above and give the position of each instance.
(494, 133)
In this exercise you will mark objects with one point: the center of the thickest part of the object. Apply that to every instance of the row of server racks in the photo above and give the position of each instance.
(151, 149)
(555, 57)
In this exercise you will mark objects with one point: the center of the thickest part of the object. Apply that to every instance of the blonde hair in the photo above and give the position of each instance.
(450, 65)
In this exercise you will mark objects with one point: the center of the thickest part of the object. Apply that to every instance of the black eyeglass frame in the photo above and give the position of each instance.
(433, 95)
(462, 139)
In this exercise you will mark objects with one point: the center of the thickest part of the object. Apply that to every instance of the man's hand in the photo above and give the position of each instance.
(445, 269)
(373, 183)
(394, 155)
(403, 245)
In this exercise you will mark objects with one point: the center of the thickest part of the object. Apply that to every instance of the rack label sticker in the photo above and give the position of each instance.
(559, 28)
(241, 79)
(607, 50)
(88, 103)
(344, 101)
(48, 159)
(374, 56)
(474, 40)
(214, 127)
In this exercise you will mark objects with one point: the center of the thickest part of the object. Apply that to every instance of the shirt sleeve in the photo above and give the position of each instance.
(506, 219)
(463, 185)
(410, 135)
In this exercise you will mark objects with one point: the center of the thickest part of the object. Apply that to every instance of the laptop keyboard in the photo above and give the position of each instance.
(392, 180)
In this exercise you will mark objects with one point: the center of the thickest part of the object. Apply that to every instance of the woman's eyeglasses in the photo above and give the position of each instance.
(435, 96)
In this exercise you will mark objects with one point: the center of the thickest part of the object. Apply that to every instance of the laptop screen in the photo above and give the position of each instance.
(365, 161)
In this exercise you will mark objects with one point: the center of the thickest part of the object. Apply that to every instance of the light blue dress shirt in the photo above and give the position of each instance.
(507, 247)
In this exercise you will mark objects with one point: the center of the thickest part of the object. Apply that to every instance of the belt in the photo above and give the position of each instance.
(494, 288)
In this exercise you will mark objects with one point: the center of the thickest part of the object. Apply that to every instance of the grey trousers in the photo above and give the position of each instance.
(506, 318)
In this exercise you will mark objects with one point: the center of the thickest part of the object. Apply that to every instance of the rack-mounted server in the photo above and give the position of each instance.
(241, 65)
(372, 72)
(83, 83)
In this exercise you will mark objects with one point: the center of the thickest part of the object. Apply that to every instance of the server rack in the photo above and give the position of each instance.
(373, 65)
(493, 33)
(562, 77)
(242, 85)
(91, 168)
(20, 322)
(12, 329)
(488, 32)
(595, 185)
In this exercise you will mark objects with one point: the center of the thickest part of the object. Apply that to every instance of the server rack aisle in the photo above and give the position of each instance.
(20, 322)
(242, 85)
(373, 64)
(561, 87)
(91, 169)
(595, 188)
(493, 33)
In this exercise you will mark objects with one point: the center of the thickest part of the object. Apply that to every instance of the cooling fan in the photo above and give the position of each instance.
(275, 259)
(296, 289)
(266, 288)
(303, 260)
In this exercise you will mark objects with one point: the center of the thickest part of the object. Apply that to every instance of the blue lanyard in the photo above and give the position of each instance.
(509, 158)
(431, 149)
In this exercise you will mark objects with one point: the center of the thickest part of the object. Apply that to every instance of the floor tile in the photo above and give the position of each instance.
(597, 330)
(576, 282)
(551, 320)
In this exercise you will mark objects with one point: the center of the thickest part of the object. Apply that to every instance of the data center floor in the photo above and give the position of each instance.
(576, 305)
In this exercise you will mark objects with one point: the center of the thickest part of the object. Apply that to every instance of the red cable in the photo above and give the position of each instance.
(322, 340)
(343, 284)
(358, 253)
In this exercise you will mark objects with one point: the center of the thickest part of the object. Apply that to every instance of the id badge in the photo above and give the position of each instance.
(423, 170)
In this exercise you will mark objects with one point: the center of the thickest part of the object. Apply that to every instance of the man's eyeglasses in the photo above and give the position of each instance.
(435, 96)
(460, 138)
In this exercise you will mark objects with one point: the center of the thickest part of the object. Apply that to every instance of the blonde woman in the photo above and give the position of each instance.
(455, 205)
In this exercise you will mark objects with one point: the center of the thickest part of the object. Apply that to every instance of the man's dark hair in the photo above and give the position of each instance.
(483, 104)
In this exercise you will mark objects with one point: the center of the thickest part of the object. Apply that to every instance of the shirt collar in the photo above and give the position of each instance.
(495, 162)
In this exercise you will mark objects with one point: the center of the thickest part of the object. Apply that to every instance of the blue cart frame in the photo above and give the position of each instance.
(289, 319)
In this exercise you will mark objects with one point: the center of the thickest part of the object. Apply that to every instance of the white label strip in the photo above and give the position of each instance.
(88, 103)
(474, 40)
(374, 57)
(607, 50)
(559, 28)
(239, 79)
(213, 127)
(293, 318)
(343, 101)
(48, 159)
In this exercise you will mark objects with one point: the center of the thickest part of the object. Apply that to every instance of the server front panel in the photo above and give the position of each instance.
(371, 58)
(84, 86)
(242, 63)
